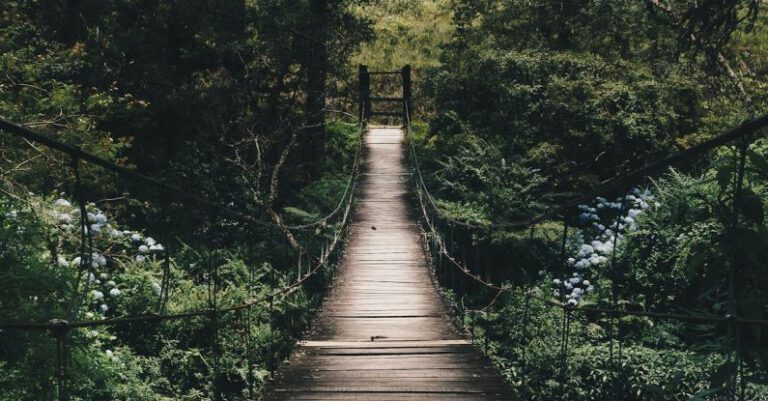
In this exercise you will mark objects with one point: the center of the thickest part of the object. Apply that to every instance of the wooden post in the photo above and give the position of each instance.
(407, 106)
(365, 91)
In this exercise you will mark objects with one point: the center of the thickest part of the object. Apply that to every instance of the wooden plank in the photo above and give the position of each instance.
(383, 332)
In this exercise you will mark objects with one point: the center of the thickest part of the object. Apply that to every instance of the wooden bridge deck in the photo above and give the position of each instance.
(384, 332)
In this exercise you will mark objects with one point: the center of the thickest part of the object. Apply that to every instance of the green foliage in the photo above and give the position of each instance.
(575, 116)
(558, 96)
(173, 359)
(405, 32)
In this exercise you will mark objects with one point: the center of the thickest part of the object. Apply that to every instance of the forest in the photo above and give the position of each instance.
(177, 180)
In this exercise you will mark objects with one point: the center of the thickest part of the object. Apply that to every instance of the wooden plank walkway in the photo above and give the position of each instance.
(384, 333)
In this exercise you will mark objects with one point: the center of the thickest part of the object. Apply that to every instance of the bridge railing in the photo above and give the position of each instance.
(310, 260)
(401, 103)
(455, 270)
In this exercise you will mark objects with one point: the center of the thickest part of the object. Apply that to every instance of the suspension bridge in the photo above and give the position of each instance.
(384, 332)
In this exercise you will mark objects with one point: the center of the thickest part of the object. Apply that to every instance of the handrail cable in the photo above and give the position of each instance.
(612, 184)
(352, 176)
(422, 192)
(77, 152)
(320, 261)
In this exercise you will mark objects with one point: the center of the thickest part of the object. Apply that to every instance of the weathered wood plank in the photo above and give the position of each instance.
(383, 332)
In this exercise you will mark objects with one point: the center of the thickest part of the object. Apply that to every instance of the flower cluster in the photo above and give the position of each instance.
(108, 240)
(603, 226)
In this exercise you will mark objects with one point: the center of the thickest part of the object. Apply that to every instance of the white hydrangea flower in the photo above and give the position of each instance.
(103, 308)
(64, 218)
(140, 258)
(99, 260)
(111, 283)
(61, 261)
(101, 218)
(91, 217)
(157, 247)
(143, 249)
(114, 292)
(156, 288)
(62, 203)
(136, 237)
(150, 241)
(97, 295)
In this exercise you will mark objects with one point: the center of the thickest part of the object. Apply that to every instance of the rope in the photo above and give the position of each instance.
(86, 241)
(734, 352)
(614, 300)
(79, 154)
(165, 285)
(173, 316)
(441, 248)
(352, 176)
(613, 184)
(62, 362)
(319, 262)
